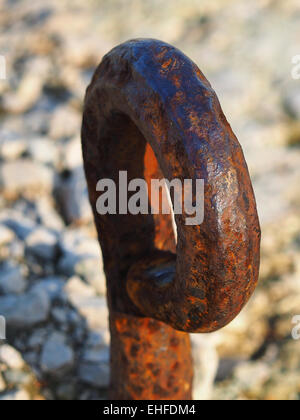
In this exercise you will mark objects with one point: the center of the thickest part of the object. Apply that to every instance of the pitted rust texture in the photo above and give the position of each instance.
(153, 357)
(150, 111)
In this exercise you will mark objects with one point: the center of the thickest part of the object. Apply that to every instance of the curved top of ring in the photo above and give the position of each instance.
(164, 94)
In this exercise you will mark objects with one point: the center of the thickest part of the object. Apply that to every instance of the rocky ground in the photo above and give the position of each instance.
(52, 286)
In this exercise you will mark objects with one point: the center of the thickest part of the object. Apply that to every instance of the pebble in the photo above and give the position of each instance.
(29, 88)
(42, 243)
(12, 146)
(71, 154)
(96, 375)
(2, 383)
(98, 339)
(78, 242)
(18, 395)
(21, 225)
(16, 251)
(76, 290)
(11, 357)
(66, 391)
(57, 357)
(92, 307)
(206, 362)
(52, 286)
(43, 150)
(37, 338)
(94, 310)
(6, 235)
(60, 315)
(11, 279)
(48, 216)
(91, 270)
(74, 197)
(76, 247)
(15, 377)
(26, 310)
(31, 358)
(292, 102)
(23, 175)
(96, 355)
(64, 123)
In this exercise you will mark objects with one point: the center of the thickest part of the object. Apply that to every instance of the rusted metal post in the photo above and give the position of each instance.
(150, 111)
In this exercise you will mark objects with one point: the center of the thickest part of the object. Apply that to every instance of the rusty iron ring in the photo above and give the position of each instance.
(150, 90)
(151, 112)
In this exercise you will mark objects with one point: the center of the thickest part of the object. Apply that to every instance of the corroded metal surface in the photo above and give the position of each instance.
(149, 110)
(150, 360)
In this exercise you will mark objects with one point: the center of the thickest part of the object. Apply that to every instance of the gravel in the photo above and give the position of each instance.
(52, 283)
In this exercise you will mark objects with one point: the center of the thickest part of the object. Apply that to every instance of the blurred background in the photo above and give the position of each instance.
(52, 286)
